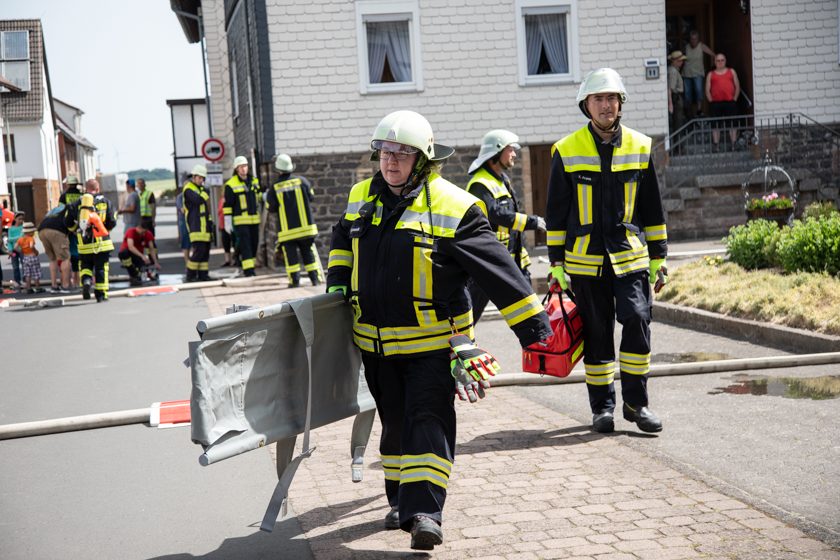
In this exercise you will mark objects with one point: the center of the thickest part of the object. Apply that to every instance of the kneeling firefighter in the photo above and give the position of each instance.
(402, 253)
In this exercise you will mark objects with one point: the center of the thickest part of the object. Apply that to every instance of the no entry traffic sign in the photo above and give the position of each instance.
(213, 149)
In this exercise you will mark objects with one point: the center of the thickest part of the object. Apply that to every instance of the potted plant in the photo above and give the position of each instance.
(770, 207)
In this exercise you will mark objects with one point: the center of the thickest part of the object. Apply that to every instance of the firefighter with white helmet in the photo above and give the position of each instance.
(242, 213)
(606, 230)
(197, 213)
(401, 254)
(490, 183)
(289, 198)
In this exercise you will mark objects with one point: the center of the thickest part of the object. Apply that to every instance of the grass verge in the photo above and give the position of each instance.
(801, 300)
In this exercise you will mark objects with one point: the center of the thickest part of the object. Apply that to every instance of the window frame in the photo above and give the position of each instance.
(16, 60)
(536, 7)
(382, 11)
(9, 154)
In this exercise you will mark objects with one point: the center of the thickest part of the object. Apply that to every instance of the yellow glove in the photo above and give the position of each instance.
(557, 274)
(658, 275)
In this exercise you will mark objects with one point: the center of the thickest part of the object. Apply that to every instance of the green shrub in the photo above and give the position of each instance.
(824, 208)
(811, 245)
(747, 245)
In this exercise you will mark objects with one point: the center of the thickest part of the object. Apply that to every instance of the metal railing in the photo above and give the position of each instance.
(790, 138)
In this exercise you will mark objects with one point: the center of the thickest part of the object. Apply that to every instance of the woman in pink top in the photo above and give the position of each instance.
(722, 91)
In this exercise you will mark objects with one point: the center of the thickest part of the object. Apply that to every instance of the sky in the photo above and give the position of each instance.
(118, 61)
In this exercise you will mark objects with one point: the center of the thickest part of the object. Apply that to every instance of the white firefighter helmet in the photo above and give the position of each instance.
(283, 163)
(493, 143)
(199, 170)
(409, 129)
(602, 80)
(239, 160)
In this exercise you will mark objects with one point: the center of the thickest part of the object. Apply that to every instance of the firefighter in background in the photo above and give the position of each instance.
(290, 198)
(70, 195)
(401, 254)
(197, 213)
(91, 218)
(491, 184)
(242, 213)
(606, 230)
(148, 206)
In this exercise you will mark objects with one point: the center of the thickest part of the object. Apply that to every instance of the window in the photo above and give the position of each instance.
(14, 58)
(234, 83)
(388, 37)
(547, 41)
(6, 151)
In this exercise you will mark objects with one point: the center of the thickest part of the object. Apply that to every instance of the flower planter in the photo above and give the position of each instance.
(782, 216)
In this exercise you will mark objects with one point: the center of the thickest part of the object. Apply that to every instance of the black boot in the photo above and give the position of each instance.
(643, 417)
(86, 285)
(204, 276)
(603, 422)
(313, 277)
(191, 276)
(294, 280)
(392, 520)
(425, 533)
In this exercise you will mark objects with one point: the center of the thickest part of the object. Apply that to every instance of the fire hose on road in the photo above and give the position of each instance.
(177, 412)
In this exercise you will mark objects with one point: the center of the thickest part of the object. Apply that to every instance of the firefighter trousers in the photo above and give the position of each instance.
(601, 301)
(479, 299)
(198, 263)
(415, 402)
(132, 263)
(96, 265)
(248, 240)
(306, 247)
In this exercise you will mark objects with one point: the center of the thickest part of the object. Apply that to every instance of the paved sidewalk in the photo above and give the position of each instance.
(528, 483)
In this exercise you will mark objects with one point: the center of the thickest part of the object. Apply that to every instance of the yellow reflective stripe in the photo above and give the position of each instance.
(599, 374)
(580, 246)
(340, 257)
(405, 333)
(630, 190)
(633, 266)
(248, 264)
(629, 161)
(281, 212)
(656, 233)
(424, 475)
(301, 207)
(401, 347)
(577, 351)
(227, 210)
(354, 277)
(199, 236)
(524, 259)
(583, 258)
(636, 364)
(584, 196)
(246, 219)
(523, 309)
(519, 222)
(295, 233)
(426, 459)
(422, 282)
(629, 254)
(391, 466)
(555, 238)
(582, 269)
(204, 266)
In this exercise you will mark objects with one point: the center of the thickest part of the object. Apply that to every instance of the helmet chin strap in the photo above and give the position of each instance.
(611, 129)
(411, 182)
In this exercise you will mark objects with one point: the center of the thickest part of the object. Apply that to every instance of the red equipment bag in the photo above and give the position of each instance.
(564, 347)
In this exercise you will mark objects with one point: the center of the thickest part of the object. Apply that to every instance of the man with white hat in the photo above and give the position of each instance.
(606, 229)
(491, 184)
(676, 89)
(242, 213)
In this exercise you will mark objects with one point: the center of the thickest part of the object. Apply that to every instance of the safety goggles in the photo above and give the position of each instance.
(395, 150)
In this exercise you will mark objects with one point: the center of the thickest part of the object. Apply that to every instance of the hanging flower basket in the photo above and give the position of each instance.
(771, 207)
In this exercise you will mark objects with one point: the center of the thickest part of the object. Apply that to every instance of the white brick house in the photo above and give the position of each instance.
(300, 80)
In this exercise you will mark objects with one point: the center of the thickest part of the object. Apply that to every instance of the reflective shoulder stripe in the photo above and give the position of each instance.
(634, 152)
(358, 197)
(287, 185)
(578, 151)
(449, 204)
(495, 186)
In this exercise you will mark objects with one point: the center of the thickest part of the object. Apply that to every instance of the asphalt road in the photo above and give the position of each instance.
(778, 453)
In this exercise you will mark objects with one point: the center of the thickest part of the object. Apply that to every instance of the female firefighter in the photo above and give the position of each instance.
(402, 253)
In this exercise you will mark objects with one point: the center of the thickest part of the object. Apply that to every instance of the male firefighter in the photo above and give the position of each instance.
(290, 198)
(491, 184)
(199, 225)
(606, 230)
(91, 218)
(70, 195)
(242, 214)
(137, 241)
(148, 206)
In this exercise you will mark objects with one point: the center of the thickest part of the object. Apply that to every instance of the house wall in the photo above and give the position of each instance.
(470, 73)
(796, 60)
(219, 76)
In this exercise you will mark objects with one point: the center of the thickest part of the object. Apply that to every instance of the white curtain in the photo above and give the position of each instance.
(389, 39)
(546, 32)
